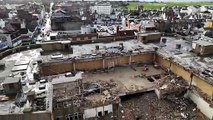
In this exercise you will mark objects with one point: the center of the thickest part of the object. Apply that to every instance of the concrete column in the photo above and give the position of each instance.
(103, 63)
(74, 67)
(130, 59)
(154, 58)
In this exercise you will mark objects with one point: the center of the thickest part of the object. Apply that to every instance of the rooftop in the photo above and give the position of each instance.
(185, 58)
(203, 43)
(26, 58)
(64, 79)
(10, 80)
(89, 50)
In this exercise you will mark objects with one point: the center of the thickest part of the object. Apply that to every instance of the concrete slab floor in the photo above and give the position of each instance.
(126, 78)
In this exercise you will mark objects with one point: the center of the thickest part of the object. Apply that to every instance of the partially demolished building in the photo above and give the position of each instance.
(53, 83)
(171, 54)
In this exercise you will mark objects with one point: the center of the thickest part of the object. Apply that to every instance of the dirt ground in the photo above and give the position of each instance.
(125, 78)
(147, 106)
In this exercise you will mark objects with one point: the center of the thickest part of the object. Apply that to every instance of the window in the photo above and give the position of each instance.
(105, 112)
(59, 105)
(67, 117)
(70, 117)
(65, 104)
(66, 46)
(100, 114)
(77, 116)
(58, 118)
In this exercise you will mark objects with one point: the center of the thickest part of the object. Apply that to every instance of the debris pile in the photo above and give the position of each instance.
(171, 85)
(98, 86)
(100, 92)
(146, 106)
(205, 96)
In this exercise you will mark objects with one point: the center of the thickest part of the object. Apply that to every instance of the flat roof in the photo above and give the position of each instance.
(64, 79)
(20, 58)
(89, 50)
(184, 57)
(53, 33)
(59, 41)
(203, 42)
(10, 80)
(22, 62)
(19, 68)
(150, 33)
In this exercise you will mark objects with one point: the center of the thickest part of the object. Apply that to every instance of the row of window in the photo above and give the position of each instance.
(102, 113)
(76, 116)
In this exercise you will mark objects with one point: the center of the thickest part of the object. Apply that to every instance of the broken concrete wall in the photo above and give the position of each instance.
(204, 86)
(94, 112)
(163, 62)
(56, 68)
(170, 85)
(93, 64)
(204, 106)
(145, 58)
(180, 71)
(52, 47)
(203, 50)
(88, 65)
(148, 38)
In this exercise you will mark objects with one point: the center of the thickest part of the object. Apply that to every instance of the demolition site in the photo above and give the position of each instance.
(115, 80)
(99, 61)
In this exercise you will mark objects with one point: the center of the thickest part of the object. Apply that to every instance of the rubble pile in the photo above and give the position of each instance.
(171, 85)
(100, 92)
(65, 93)
(205, 96)
(99, 86)
(146, 106)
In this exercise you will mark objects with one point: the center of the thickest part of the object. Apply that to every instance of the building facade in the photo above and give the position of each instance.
(102, 9)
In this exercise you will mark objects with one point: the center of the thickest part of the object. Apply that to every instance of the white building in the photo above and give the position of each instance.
(189, 10)
(105, 8)
(98, 111)
(206, 8)
(203, 8)
(193, 9)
